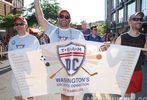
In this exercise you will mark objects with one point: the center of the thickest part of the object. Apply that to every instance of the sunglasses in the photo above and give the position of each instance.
(137, 19)
(66, 17)
(19, 24)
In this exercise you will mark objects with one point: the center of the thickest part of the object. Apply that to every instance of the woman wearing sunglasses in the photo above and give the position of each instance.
(22, 40)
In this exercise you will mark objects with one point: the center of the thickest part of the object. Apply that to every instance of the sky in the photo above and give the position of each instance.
(88, 10)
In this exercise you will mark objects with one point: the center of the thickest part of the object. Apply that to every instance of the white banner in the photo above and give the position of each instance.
(73, 68)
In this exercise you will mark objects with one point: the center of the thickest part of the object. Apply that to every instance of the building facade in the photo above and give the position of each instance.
(118, 11)
(7, 6)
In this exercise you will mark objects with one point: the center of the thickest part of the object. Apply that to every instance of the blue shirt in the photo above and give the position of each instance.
(25, 41)
(96, 38)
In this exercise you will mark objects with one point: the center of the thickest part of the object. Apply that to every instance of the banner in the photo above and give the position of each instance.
(73, 68)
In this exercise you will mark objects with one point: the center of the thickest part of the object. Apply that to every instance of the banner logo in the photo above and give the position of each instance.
(71, 56)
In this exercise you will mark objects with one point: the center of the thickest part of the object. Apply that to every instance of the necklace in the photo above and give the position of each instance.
(63, 38)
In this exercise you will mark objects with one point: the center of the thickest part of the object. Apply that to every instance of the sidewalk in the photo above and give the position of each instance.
(4, 62)
(5, 78)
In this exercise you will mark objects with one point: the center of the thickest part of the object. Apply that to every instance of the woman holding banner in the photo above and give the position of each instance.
(22, 40)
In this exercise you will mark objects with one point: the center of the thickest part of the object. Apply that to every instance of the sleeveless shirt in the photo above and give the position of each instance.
(138, 41)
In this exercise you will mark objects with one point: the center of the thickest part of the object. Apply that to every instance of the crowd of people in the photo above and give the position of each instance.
(4, 46)
(63, 32)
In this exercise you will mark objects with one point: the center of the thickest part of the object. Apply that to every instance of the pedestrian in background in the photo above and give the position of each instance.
(93, 36)
(85, 29)
(44, 39)
(107, 37)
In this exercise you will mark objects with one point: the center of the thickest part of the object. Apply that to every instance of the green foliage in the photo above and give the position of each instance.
(50, 11)
(1, 21)
(31, 19)
(101, 28)
(73, 25)
(1, 18)
(6, 21)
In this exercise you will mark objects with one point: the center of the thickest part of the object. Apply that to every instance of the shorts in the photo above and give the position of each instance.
(15, 88)
(135, 84)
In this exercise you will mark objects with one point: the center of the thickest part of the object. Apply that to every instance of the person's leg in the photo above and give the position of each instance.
(31, 98)
(64, 97)
(18, 98)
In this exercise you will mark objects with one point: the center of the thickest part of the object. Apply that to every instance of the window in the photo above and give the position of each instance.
(131, 9)
(114, 17)
(144, 6)
(121, 16)
(120, 1)
(113, 4)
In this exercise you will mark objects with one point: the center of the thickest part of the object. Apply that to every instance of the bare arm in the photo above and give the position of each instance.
(40, 16)
(118, 40)
(145, 46)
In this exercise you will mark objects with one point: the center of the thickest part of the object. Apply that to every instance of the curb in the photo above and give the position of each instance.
(4, 67)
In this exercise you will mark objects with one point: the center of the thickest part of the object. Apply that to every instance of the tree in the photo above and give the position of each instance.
(6, 21)
(50, 11)
(101, 27)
